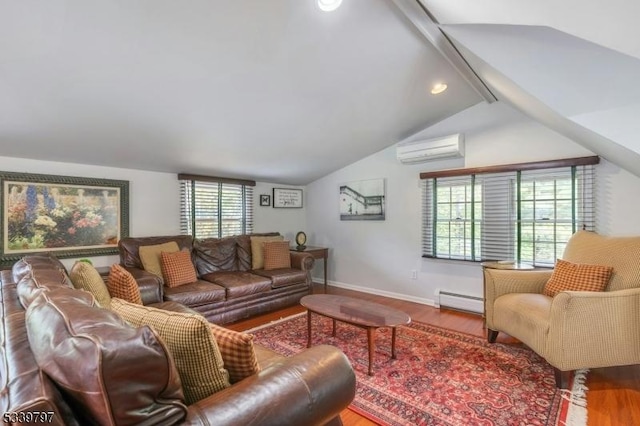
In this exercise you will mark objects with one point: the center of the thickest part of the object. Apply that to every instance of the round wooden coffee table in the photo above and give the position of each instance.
(363, 314)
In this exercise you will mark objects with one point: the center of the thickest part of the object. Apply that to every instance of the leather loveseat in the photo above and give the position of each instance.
(227, 288)
(111, 373)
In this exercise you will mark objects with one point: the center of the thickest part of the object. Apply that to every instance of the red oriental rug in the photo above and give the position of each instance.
(440, 377)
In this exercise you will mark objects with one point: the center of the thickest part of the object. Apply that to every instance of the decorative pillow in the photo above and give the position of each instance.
(107, 370)
(85, 277)
(121, 284)
(190, 341)
(177, 268)
(150, 256)
(237, 352)
(257, 250)
(276, 255)
(577, 277)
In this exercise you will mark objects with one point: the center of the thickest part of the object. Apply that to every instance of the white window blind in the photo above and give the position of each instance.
(211, 209)
(524, 215)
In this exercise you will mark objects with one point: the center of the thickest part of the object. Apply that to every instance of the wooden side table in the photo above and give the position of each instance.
(317, 253)
(509, 265)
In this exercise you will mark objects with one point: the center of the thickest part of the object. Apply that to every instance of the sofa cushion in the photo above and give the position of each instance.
(238, 284)
(192, 345)
(27, 264)
(121, 284)
(237, 352)
(177, 268)
(85, 277)
(257, 249)
(577, 277)
(113, 373)
(215, 254)
(276, 255)
(150, 256)
(283, 277)
(30, 286)
(196, 294)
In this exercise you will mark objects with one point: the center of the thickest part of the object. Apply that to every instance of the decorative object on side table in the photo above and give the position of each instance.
(265, 200)
(68, 216)
(287, 198)
(301, 240)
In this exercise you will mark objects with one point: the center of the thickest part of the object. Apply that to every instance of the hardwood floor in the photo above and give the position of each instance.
(614, 393)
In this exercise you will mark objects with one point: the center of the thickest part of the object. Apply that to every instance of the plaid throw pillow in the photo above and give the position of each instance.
(237, 352)
(276, 255)
(177, 268)
(122, 285)
(577, 277)
(85, 277)
(191, 343)
(257, 250)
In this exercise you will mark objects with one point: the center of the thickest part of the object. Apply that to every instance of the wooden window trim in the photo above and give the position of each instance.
(202, 178)
(548, 164)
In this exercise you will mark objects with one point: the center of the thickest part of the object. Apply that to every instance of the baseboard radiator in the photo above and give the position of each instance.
(462, 302)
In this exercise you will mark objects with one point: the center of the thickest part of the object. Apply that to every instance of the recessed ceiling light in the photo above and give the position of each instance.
(329, 5)
(438, 88)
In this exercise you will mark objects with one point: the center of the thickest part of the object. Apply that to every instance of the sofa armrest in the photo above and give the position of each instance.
(607, 318)
(301, 260)
(498, 282)
(310, 388)
(150, 285)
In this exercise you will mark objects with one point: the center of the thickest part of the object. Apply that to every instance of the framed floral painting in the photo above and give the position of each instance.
(66, 216)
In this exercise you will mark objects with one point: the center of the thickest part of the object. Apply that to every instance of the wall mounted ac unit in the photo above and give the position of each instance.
(418, 151)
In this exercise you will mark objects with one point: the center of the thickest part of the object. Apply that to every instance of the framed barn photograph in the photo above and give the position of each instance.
(362, 200)
(67, 216)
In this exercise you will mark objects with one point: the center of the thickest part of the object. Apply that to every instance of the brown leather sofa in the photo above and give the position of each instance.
(227, 289)
(127, 370)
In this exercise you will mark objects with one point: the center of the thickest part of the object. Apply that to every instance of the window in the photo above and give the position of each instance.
(525, 212)
(215, 207)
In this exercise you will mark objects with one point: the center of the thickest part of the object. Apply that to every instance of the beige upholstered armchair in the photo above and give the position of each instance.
(574, 329)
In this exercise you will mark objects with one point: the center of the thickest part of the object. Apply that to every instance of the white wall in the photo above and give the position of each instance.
(287, 221)
(379, 256)
(154, 200)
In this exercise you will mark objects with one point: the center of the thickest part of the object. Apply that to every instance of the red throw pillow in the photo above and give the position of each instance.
(237, 353)
(577, 277)
(276, 255)
(177, 268)
(122, 285)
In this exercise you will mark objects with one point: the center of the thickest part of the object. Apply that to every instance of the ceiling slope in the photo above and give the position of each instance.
(276, 90)
(584, 91)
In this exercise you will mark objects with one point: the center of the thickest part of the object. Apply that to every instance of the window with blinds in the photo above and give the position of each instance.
(525, 212)
(215, 209)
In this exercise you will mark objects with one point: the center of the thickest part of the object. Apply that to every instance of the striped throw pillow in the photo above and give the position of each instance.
(577, 277)
(191, 343)
(121, 284)
(85, 277)
(177, 268)
(237, 353)
(276, 255)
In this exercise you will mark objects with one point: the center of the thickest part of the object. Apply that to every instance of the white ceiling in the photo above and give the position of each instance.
(274, 90)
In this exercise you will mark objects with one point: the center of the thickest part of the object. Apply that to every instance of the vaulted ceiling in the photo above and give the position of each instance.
(276, 90)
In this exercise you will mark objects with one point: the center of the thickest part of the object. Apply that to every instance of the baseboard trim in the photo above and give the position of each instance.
(377, 292)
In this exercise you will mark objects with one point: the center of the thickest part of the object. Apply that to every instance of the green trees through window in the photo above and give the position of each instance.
(526, 214)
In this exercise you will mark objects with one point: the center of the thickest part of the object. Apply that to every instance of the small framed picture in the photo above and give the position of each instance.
(265, 200)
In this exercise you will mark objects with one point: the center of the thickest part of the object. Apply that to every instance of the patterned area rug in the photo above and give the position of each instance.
(440, 377)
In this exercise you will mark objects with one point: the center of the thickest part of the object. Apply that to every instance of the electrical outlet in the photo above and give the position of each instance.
(414, 274)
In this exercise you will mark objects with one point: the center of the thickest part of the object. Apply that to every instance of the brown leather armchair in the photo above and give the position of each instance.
(575, 329)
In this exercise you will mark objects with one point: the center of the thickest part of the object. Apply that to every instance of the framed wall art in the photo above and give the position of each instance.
(265, 200)
(66, 216)
(287, 198)
(362, 200)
